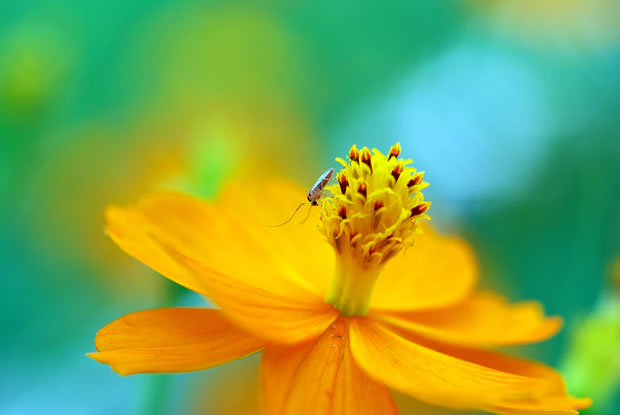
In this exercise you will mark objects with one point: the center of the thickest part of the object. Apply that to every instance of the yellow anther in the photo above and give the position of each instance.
(397, 171)
(367, 158)
(394, 151)
(354, 154)
(362, 189)
(342, 180)
(420, 209)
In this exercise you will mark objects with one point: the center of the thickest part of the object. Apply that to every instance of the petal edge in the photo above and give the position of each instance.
(169, 340)
(481, 320)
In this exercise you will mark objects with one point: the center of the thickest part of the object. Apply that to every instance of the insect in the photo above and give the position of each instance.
(314, 194)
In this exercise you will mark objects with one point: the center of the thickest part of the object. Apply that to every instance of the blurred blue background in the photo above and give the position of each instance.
(511, 108)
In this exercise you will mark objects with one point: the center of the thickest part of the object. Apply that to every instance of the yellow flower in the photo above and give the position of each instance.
(340, 326)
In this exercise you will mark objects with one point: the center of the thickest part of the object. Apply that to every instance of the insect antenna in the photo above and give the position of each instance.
(292, 216)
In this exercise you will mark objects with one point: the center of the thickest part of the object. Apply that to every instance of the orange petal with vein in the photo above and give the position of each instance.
(554, 401)
(432, 376)
(266, 298)
(321, 378)
(171, 340)
(130, 230)
(214, 235)
(436, 272)
(277, 318)
(481, 320)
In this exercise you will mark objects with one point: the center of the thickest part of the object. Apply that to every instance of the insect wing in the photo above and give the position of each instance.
(322, 181)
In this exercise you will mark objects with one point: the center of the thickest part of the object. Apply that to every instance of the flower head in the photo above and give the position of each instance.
(340, 322)
(371, 216)
(374, 209)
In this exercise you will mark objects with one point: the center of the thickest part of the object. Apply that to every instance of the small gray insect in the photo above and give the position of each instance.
(314, 194)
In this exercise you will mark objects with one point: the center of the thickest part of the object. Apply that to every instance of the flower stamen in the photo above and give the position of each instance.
(354, 154)
(367, 158)
(362, 190)
(342, 180)
(417, 179)
(397, 171)
(394, 151)
(420, 209)
(372, 224)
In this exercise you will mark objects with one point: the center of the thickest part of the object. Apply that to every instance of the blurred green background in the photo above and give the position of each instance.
(511, 108)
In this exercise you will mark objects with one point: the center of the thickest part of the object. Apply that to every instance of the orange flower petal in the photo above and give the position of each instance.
(209, 250)
(457, 377)
(132, 232)
(171, 340)
(429, 375)
(481, 320)
(321, 378)
(214, 235)
(436, 272)
(274, 317)
(571, 406)
(554, 400)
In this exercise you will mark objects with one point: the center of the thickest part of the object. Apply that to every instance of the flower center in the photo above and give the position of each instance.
(370, 216)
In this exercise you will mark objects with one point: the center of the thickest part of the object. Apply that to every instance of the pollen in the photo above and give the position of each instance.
(384, 207)
(368, 217)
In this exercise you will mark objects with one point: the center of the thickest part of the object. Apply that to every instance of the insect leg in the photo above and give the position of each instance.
(289, 219)
(308, 214)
